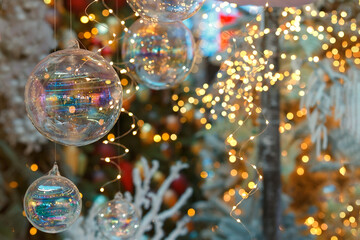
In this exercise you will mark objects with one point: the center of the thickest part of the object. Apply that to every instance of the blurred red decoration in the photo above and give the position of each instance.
(76, 6)
(126, 176)
(226, 36)
(96, 42)
(170, 198)
(107, 52)
(105, 150)
(180, 185)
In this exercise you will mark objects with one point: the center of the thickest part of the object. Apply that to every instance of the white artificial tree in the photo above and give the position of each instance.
(19, 20)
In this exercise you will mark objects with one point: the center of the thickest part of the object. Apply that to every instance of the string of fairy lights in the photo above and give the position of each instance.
(239, 81)
(285, 31)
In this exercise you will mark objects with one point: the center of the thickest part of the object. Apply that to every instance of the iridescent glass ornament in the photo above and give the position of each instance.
(159, 55)
(73, 97)
(52, 203)
(118, 219)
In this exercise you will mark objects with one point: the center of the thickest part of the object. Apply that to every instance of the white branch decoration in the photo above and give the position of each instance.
(144, 199)
(156, 199)
(339, 99)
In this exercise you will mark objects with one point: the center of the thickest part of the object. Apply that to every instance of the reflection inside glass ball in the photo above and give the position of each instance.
(73, 97)
(166, 10)
(52, 204)
(118, 219)
(160, 55)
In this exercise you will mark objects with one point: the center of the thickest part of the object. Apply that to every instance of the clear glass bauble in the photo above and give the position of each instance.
(159, 55)
(118, 219)
(73, 97)
(166, 10)
(52, 203)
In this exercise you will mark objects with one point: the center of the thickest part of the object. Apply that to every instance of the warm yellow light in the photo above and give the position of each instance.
(87, 35)
(305, 158)
(287, 126)
(34, 167)
(84, 19)
(290, 115)
(33, 231)
(173, 137)
(191, 212)
(232, 159)
(303, 146)
(157, 138)
(203, 174)
(165, 136)
(105, 12)
(309, 221)
(13, 184)
(342, 171)
(111, 137)
(251, 185)
(300, 171)
(244, 175)
(231, 192)
(94, 31)
(91, 17)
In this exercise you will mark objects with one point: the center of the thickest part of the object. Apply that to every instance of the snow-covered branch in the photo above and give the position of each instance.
(154, 214)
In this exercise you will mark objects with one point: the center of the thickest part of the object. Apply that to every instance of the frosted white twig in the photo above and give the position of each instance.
(154, 214)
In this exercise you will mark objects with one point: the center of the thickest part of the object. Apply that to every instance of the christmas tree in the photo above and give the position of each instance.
(259, 141)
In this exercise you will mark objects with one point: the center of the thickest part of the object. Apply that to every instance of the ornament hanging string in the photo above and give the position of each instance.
(55, 30)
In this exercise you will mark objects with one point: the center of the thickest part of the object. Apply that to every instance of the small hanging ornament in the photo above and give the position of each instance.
(118, 219)
(52, 203)
(73, 97)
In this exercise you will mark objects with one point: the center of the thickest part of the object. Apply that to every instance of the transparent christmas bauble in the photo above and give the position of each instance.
(73, 97)
(160, 55)
(52, 203)
(118, 219)
(166, 10)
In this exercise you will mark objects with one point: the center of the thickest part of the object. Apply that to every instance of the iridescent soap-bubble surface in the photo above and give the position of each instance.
(52, 203)
(166, 10)
(160, 55)
(118, 220)
(73, 97)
